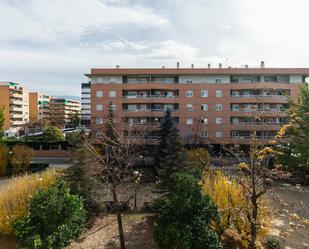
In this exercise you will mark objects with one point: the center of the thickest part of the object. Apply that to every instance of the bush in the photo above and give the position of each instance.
(233, 206)
(53, 134)
(15, 195)
(21, 159)
(55, 217)
(198, 158)
(272, 242)
(185, 216)
(4, 159)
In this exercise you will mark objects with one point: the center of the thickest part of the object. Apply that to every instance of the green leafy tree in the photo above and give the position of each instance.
(171, 156)
(55, 217)
(294, 149)
(75, 119)
(53, 133)
(185, 216)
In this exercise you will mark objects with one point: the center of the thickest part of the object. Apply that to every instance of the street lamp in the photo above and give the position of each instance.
(10, 163)
(137, 176)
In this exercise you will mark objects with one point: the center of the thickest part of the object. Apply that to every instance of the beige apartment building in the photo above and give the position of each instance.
(209, 105)
(39, 108)
(62, 111)
(15, 101)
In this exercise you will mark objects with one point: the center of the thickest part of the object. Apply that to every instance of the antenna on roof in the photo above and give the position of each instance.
(117, 66)
(262, 64)
(178, 64)
(192, 65)
(209, 66)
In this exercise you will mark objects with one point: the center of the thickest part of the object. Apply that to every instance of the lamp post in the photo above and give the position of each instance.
(10, 163)
(136, 175)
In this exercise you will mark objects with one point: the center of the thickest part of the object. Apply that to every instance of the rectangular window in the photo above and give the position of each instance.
(204, 133)
(219, 120)
(99, 107)
(112, 80)
(189, 94)
(189, 121)
(218, 93)
(218, 80)
(189, 108)
(219, 134)
(99, 94)
(112, 94)
(219, 107)
(204, 93)
(204, 107)
(204, 121)
(189, 134)
(99, 120)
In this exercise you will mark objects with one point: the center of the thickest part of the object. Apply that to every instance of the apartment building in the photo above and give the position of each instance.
(62, 111)
(39, 107)
(209, 105)
(86, 104)
(15, 101)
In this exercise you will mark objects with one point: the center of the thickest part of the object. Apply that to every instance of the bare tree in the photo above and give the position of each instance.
(115, 154)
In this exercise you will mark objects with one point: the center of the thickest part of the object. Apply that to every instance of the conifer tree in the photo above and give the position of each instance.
(170, 156)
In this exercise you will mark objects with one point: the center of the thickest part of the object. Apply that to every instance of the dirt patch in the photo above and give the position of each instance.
(104, 233)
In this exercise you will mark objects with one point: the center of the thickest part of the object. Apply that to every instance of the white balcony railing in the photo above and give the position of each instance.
(257, 123)
(258, 96)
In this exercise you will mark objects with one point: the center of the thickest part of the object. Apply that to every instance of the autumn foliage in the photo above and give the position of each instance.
(15, 195)
(21, 159)
(234, 207)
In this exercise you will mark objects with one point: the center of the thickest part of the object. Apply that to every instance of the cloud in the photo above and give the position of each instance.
(57, 20)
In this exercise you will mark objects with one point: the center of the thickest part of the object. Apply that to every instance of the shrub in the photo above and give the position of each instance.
(4, 159)
(233, 206)
(21, 158)
(272, 242)
(185, 216)
(53, 134)
(15, 195)
(198, 158)
(55, 217)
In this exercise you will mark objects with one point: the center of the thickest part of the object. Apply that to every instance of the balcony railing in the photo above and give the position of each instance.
(149, 110)
(258, 123)
(149, 96)
(258, 96)
(257, 110)
(251, 137)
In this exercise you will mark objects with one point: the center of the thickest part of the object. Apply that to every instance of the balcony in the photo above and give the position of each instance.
(149, 96)
(258, 110)
(148, 110)
(258, 96)
(250, 137)
(257, 123)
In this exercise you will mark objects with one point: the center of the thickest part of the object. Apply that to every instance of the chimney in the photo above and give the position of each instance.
(220, 65)
(192, 65)
(163, 67)
(117, 66)
(209, 66)
(262, 64)
(246, 66)
(178, 64)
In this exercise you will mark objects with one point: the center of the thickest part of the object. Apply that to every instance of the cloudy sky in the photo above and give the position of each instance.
(49, 44)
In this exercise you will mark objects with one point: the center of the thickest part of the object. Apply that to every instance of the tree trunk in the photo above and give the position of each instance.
(119, 219)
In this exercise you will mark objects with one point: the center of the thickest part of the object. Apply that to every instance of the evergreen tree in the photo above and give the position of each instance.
(294, 148)
(185, 216)
(171, 155)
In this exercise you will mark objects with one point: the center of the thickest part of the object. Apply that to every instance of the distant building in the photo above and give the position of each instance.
(39, 108)
(209, 105)
(15, 101)
(86, 104)
(63, 110)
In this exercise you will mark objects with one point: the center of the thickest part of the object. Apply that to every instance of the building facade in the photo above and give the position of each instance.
(63, 111)
(15, 101)
(39, 108)
(86, 104)
(209, 105)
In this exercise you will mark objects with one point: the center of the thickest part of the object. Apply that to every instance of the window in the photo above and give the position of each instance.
(219, 93)
(204, 107)
(219, 134)
(99, 94)
(189, 108)
(189, 94)
(204, 121)
(219, 120)
(189, 134)
(204, 133)
(218, 80)
(112, 80)
(99, 107)
(99, 121)
(204, 93)
(219, 107)
(189, 121)
(112, 94)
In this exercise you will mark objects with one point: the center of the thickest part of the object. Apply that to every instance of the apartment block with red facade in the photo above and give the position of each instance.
(209, 105)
